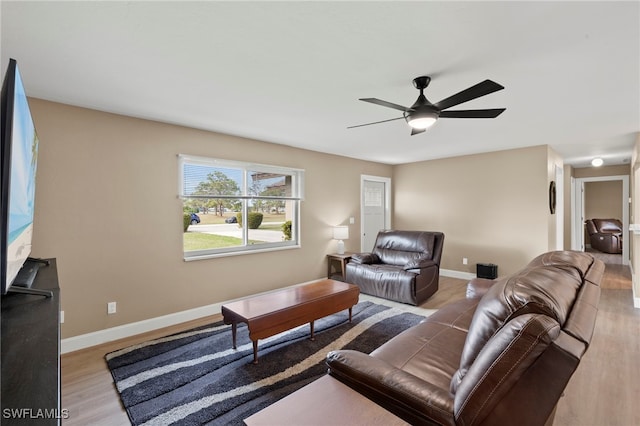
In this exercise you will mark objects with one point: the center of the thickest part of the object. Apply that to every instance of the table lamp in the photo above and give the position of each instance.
(340, 233)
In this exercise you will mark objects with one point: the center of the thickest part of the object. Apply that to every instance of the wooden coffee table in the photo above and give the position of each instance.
(273, 313)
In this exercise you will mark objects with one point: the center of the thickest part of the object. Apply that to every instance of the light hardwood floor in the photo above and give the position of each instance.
(605, 389)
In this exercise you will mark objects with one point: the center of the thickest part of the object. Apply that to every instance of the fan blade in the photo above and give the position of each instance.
(385, 104)
(466, 95)
(473, 113)
(377, 122)
(416, 131)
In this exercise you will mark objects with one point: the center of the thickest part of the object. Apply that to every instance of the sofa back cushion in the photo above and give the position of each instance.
(501, 364)
(607, 225)
(398, 248)
(549, 285)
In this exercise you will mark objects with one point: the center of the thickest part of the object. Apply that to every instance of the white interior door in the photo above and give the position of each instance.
(375, 209)
(578, 212)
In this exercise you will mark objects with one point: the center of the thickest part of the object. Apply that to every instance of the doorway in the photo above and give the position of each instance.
(578, 212)
(375, 209)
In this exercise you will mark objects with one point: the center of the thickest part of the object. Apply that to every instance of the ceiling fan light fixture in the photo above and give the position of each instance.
(421, 122)
(421, 119)
(423, 114)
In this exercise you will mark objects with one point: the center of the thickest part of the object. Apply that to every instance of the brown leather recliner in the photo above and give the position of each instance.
(605, 235)
(504, 358)
(404, 266)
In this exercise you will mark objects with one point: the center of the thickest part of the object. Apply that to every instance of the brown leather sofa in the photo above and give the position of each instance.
(605, 235)
(500, 359)
(404, 266)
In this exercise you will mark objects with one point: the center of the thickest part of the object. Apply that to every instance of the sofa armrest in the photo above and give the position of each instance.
(400, 392)
(364, 258)
(477, 287)
(419, 264)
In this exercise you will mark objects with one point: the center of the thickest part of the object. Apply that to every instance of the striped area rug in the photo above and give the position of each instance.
(195, 377)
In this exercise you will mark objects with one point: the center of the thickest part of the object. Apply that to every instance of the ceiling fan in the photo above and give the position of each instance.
(423, 114)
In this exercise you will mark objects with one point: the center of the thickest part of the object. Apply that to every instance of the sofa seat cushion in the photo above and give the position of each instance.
(400, 392)
(430, 352)
(478, 287)
(383, 280)
(411, 374)
(458, 314)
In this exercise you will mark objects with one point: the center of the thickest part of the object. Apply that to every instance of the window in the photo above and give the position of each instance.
(232, 207)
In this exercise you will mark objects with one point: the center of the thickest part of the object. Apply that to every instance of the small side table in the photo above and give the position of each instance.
(343, 259)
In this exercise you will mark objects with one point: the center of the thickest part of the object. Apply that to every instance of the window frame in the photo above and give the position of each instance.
(296, 196)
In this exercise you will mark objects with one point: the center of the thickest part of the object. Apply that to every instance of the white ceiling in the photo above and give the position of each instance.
(292, 72)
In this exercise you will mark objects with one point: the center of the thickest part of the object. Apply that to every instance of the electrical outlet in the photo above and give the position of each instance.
(111, 308)
(61, 317)
(465, 260)
(352, 220)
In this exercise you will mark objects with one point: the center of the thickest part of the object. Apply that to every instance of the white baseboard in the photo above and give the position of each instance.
(457, 274)
(84, 341)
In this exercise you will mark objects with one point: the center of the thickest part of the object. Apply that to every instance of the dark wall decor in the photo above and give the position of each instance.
(552, 197)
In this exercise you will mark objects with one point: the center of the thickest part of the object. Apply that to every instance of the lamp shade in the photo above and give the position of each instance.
(340, 232)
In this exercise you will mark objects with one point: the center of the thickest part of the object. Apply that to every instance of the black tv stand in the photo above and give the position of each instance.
(30, 353)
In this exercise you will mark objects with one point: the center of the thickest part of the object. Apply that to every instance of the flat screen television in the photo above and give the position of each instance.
(19, 160)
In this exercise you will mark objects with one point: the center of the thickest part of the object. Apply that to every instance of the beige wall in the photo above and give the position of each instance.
(107, 209)
(585, 172)
(554, 221)
(603, 200)
(492, 207)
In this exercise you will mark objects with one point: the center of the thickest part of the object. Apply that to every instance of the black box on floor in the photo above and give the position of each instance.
(486, 270)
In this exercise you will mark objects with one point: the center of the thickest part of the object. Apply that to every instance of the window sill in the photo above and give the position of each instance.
(239, 253)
